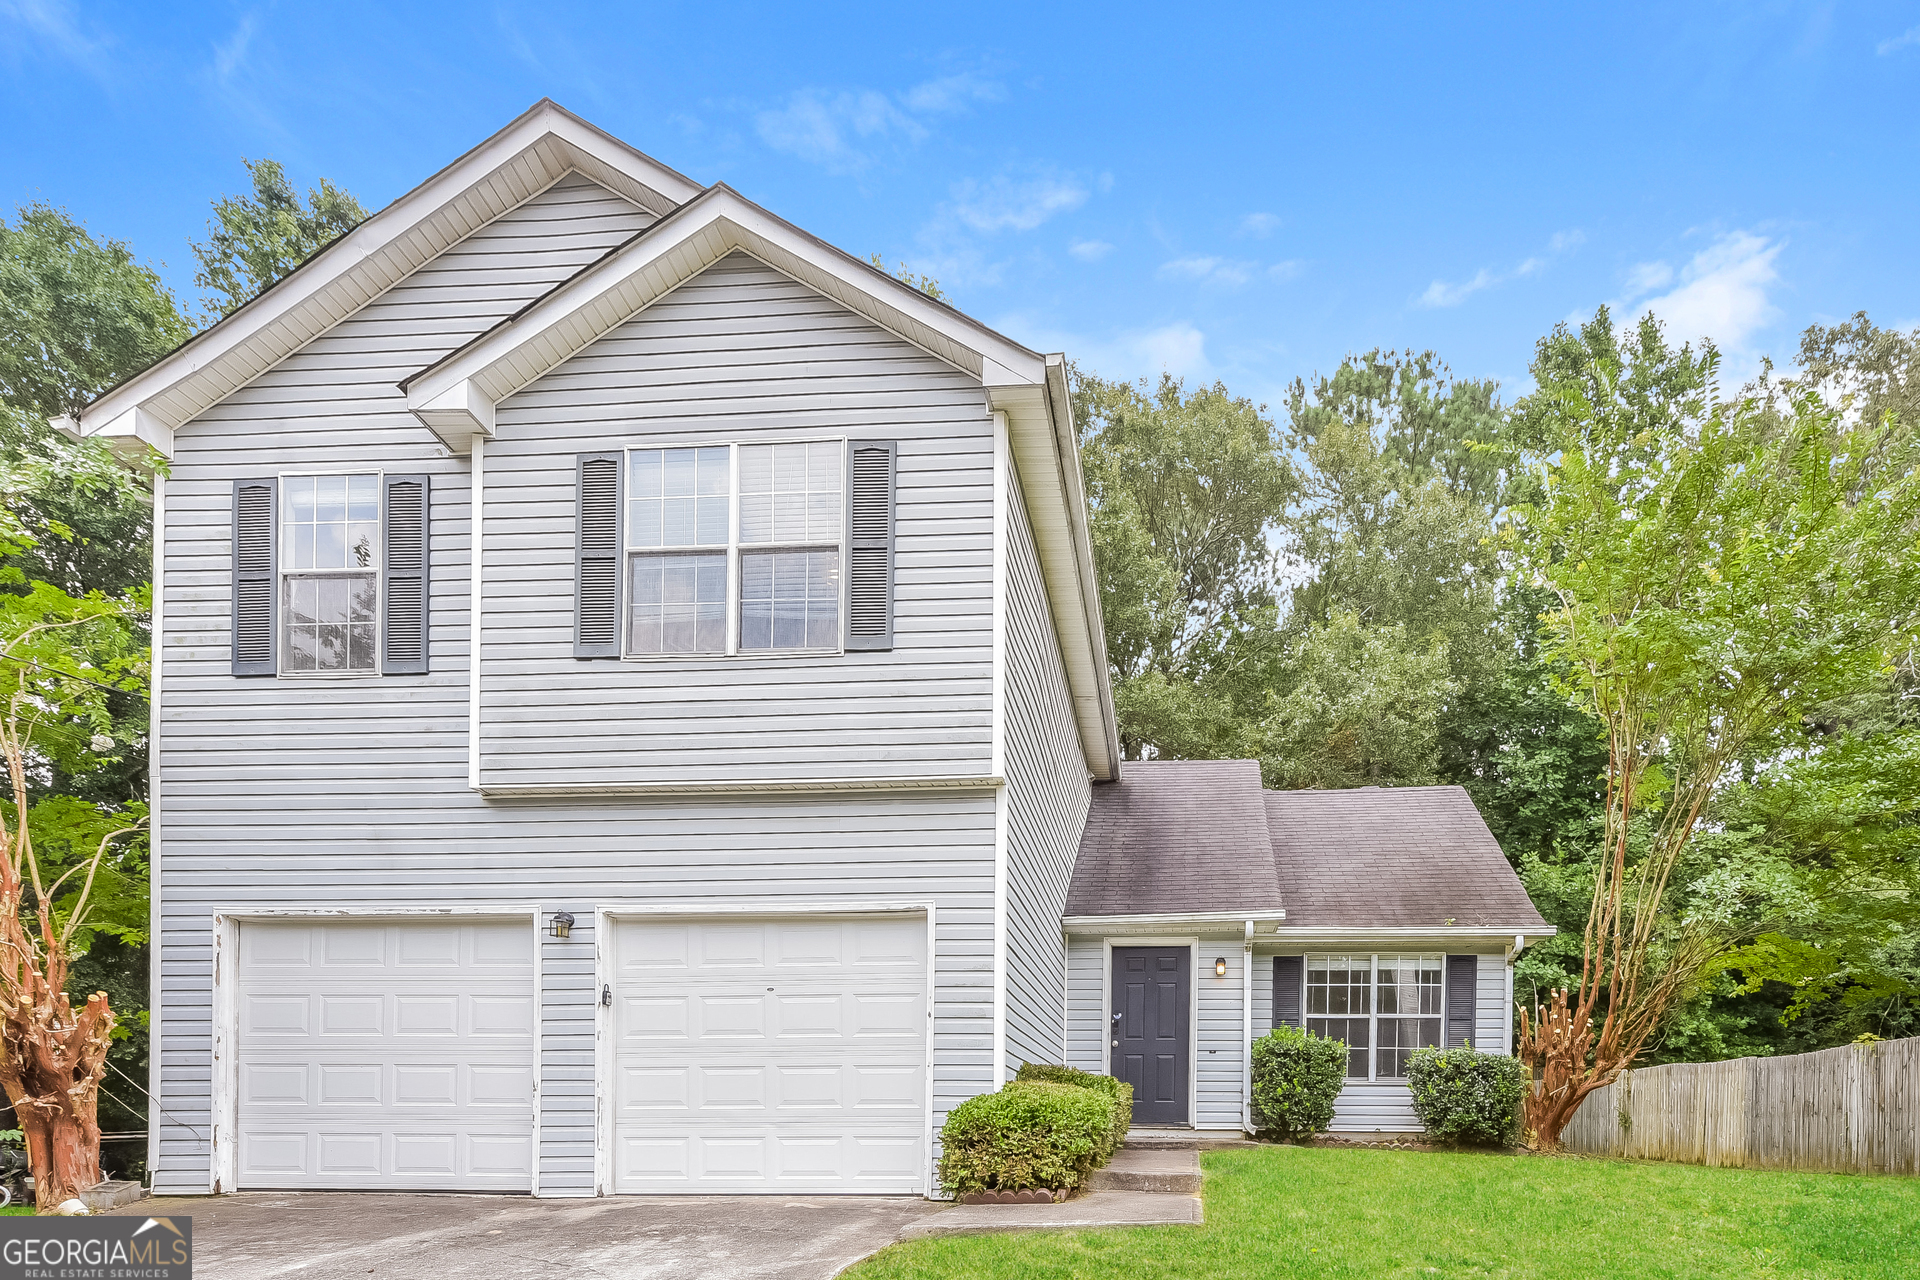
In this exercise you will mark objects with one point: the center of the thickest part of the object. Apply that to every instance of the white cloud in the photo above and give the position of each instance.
(1442, 294)
(1644, 277)
(1177, 348)
(953, 93)
(1722, 293)
(1446, 293)
(1089, 250)
(824, 127)
(1286, 270)
(1893, 44)
(55, 23)
(1008, 204)
(1223, 271)
(1260, 224)
(230, 55)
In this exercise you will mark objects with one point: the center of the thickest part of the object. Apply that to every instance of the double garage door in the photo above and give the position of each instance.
(738, 1055)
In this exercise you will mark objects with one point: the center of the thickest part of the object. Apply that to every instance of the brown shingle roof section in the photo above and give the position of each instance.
(1176, 836)
(1386, 856)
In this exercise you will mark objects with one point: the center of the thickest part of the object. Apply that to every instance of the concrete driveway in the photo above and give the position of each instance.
(372, 1236)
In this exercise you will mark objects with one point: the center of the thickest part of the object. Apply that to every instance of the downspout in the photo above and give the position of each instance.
(1246, 1031)
(1519, 945)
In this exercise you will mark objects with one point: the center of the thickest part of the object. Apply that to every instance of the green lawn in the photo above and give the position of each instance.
(1303, 1211)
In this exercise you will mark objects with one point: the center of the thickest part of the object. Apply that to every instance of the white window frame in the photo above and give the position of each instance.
(732, 549)
(1373, 1015)
(282, 597)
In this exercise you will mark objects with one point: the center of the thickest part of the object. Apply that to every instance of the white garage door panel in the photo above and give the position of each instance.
(386, 1055)
(784, 1055)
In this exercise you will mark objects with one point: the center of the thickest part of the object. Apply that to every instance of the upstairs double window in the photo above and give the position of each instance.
(735, 549)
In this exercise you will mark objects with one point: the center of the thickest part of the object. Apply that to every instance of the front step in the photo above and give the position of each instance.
(1150, 1169)
(1186, 1139)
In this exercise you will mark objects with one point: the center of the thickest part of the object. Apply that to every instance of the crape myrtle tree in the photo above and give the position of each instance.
(255, 240)
(67, 868)
(1719, 572)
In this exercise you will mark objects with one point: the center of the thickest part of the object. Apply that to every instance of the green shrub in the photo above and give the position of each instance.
(1463, 1095)
(1120, 1094)
(1296, 1077)
(1030, 1134)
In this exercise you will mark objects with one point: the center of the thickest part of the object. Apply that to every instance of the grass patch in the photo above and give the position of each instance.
(17, 1211)
(1330, 1212)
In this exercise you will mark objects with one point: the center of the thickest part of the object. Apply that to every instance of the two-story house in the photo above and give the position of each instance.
(629, 701)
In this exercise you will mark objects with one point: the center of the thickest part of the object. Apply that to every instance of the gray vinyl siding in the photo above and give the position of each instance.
(1047, 793)
(351, 794)
(742, 354)
(1219, 1031)
(1086, 1002)
(1492, 1020)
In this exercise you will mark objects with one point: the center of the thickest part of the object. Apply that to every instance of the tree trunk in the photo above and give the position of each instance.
(63, 1144)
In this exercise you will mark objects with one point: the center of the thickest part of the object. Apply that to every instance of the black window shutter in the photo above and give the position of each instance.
(1463, 975)
(596, 600)
(871, 467)
(256, 515)
(408, 524)
(1289, 974)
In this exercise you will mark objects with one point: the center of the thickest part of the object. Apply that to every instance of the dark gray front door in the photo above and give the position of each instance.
(1152, 990)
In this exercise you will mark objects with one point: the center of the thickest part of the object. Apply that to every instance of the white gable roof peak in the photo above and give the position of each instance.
(521, 160)
(455, 395)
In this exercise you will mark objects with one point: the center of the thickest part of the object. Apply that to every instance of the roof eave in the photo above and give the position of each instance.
(527, 156)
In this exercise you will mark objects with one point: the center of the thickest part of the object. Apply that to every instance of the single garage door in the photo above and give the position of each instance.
(781, 1055)
(386, 1056)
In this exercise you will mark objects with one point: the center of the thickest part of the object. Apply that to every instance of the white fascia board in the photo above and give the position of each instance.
(131, 428)
(456, 415)
(518, 162)
(1040, 423)
(1213, 921)
(719, 222)
(1439, 935)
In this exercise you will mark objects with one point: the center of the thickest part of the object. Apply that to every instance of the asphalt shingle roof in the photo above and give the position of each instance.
(1392, 856)
(1175, 836)
(1202, 836)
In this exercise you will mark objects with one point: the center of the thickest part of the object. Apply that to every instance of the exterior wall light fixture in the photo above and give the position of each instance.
(1220, 967)
(562, 926)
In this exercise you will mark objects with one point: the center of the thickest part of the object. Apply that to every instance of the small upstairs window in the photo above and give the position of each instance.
(330, 565)
(331, 575)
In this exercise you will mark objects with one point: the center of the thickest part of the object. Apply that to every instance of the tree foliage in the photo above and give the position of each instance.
(1186, 489)
(1719, 573)
(255, 240)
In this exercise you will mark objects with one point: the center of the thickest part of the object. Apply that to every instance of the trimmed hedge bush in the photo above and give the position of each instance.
(1296, 1077)
(1030, 1134)
(1119, 1094)
(1463, 1095)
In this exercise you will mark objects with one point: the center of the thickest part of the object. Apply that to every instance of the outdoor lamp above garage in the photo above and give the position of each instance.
(562, 926)
(1220, 967)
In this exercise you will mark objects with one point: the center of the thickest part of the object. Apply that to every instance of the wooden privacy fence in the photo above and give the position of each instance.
(1855, 1109)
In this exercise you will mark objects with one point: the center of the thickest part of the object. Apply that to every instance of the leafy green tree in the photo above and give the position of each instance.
(1720, 573)
(77, 315)
(256, 240)
(1353, 706)
(1186, 490)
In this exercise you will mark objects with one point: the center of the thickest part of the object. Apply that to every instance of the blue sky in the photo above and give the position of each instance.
(1245, 195)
